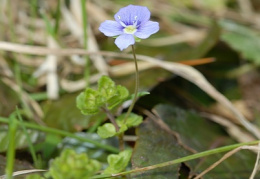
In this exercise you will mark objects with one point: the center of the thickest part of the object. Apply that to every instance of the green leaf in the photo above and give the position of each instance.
(120, 96)
(107, 130)
(132, 120)
(157, 144)
(199, 134)
(117, 163)
(106, 87)
(242, 39)
(71, 165)
(88, 102)
(108, 95)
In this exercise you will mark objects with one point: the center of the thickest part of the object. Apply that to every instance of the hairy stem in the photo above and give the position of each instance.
(111, 118)
(113, 121)
(136, 85)
(121, 142)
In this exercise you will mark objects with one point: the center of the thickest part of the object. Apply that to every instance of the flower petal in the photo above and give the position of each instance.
(124, 40)
(111, 28)
(129, 14)
(147, 29)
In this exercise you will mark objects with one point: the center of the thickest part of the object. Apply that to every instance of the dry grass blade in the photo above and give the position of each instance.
(187, 72)
(37, 111)
(4, 68)
(198, 79)
(232, 129)
(97, 60)
(74, 21)
(128, 68)
(24, 172)
(52, 77)
(256, 167)
(49, 67)
(72, 86)
(227, 155)
(189, 36)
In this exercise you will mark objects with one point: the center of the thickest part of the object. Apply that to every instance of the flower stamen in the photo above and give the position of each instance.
(122, 23)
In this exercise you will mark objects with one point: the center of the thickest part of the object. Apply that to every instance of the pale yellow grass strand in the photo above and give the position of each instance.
(226, 156)
(256, 167)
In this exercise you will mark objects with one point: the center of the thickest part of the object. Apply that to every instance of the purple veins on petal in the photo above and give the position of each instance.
(111, 28)
(131, 22)
(124, 40)
(147, 29)
(131, 13)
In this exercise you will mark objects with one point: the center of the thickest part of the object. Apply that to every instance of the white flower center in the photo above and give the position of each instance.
(130, 29)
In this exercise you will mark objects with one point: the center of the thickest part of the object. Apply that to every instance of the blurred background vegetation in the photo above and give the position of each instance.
(219, 38)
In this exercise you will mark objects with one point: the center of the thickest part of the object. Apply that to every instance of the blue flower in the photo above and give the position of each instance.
(132, 22)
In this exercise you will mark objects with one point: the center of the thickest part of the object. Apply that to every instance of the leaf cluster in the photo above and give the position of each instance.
(71, 165)
(108, 130)
(107, 95)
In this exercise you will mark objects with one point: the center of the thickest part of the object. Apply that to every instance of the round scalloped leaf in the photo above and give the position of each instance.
(106, 131)
(108, 94)
(73, 165)
(121, 95)
(242, 39)
(118, 162)
(132, 120)
(88, 102)
(106, 87)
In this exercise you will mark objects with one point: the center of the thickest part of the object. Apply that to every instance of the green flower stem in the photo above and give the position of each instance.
(180, 160)
(136, 85)
(62, 133)
(11, 147)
